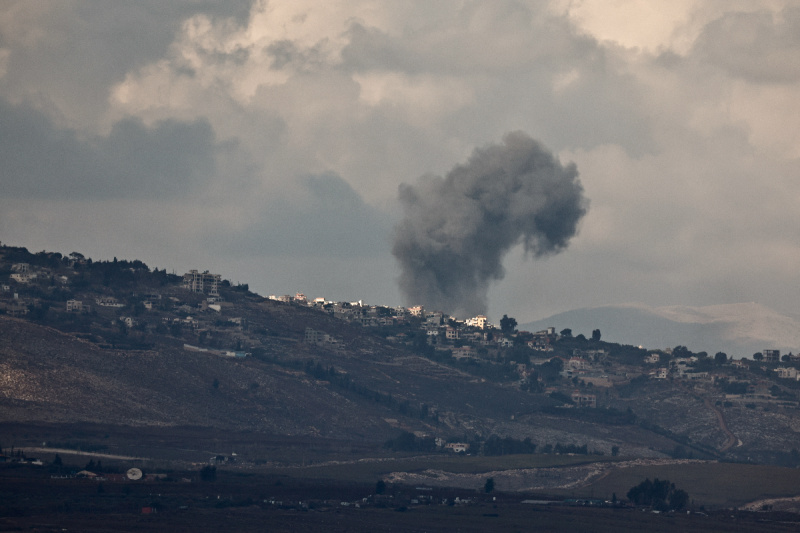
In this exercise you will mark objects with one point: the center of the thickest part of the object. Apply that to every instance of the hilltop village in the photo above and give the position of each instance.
(546, 357)
(123, 304)
(127, 307)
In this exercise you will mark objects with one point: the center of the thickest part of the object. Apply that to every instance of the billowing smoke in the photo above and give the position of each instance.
(457, 229)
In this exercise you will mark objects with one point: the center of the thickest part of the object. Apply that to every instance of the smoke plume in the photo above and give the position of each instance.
(457, 229)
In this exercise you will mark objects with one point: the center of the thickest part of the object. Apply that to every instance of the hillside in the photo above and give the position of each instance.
(114, 344)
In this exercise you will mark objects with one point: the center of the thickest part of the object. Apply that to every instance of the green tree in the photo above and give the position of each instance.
(508, 325)
(596, 335)
(758, 356)
(175, 329)
(566, 332)
(208, 473)
(678, 500)
(489, 485)
(681, 351)
(720, 358)
(737, 387)
(659, 494)
(380, 487)
(550, 371)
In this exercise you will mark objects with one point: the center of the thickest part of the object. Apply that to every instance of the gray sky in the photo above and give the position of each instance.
(267, 141)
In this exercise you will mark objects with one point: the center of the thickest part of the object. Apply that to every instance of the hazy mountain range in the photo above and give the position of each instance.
(736, 329)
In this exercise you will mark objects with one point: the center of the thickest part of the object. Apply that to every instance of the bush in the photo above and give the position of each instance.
(661, 495)
(494, 445)
(737, 387)
(208, 473)
(408, 442)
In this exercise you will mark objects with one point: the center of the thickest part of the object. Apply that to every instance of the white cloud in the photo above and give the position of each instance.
(681, 118)
(630, 23)
(656, 26)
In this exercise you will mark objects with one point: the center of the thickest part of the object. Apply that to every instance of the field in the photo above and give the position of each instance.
(31, 500)
(370, 470)
(713, 485)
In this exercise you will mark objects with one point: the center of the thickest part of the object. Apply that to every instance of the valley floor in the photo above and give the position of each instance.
(32, 501)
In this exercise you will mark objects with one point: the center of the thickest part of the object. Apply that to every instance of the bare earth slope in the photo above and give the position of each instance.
(47, 376)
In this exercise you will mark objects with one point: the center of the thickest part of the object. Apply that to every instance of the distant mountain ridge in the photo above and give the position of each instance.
(737, 329)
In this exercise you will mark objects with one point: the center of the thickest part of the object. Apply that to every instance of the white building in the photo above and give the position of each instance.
(653, 358)
(787, 373)
(23, 277)
(479, 321)
(108, 301)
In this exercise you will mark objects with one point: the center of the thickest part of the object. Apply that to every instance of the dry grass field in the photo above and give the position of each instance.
(713, 485)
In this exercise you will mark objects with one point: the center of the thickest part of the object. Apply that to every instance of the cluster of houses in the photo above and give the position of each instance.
(462, 337)
(790, 372)
(680, 368)
(470, 338)
(320, 338)
(587, 366)
(683, 367)
(204, 283)
(13, 305)
(25, 273)
(476, 338)
(22, 273)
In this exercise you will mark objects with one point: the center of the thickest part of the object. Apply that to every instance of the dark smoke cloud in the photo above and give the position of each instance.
(457, 229)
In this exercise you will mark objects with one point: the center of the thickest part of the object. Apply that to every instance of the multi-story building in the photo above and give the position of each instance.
(479, 321)
(584, 400)
(203, 282)
(74, 306)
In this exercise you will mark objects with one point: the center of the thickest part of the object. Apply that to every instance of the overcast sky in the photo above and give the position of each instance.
(266, 141)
